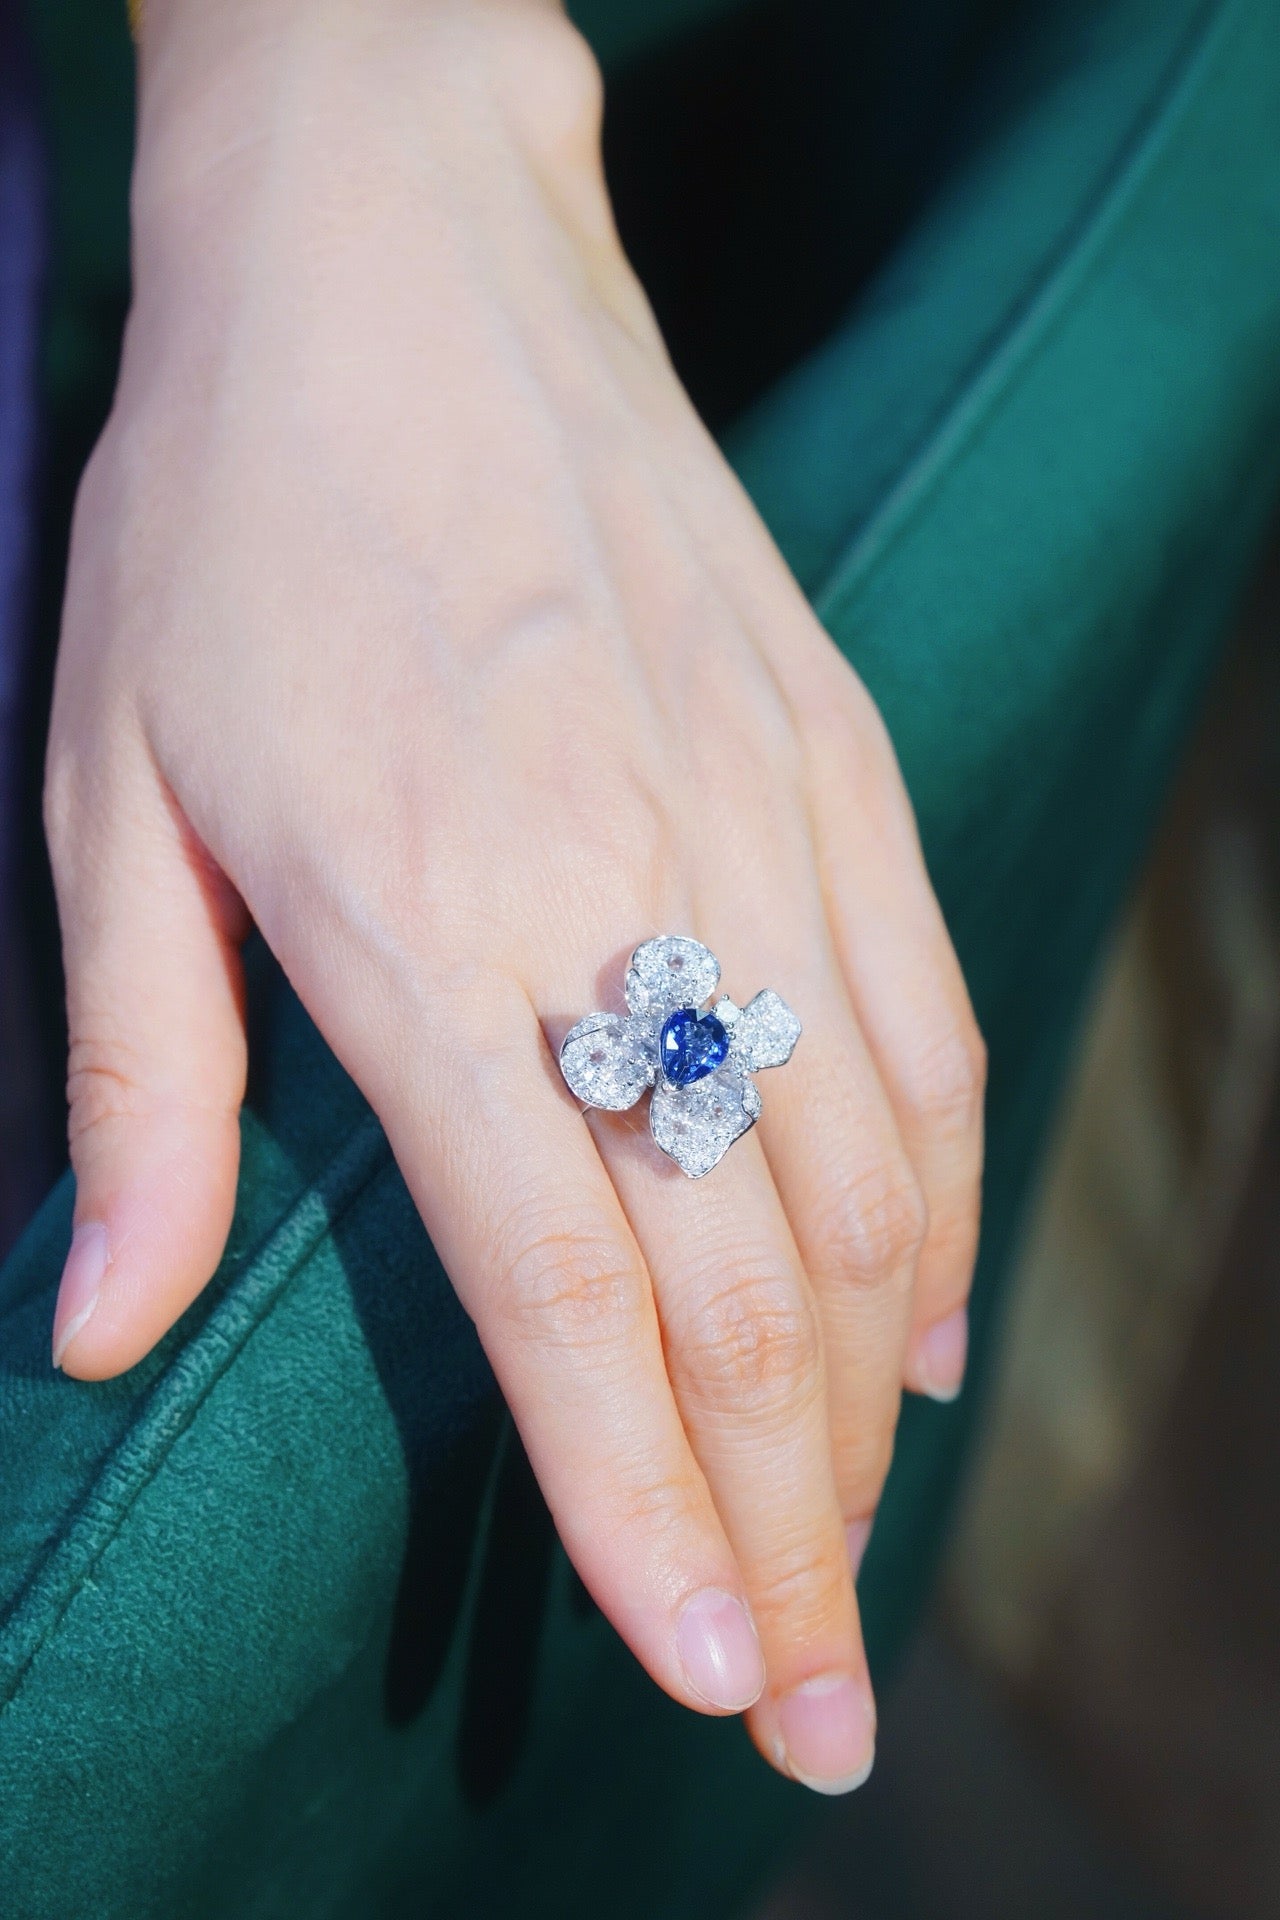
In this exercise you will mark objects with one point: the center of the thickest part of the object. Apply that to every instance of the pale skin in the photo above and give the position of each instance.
(414, 618)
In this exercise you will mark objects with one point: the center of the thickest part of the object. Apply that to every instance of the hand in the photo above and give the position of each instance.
(413, 616)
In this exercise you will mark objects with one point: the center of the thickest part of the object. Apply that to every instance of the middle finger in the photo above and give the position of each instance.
(744, 1353)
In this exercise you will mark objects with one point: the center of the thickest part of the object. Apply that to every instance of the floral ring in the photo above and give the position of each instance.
(697, 1059)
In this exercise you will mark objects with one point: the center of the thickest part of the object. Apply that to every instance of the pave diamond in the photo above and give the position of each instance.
(606, 1063)
(670, 972)
(765, 1031)
(697, 1125)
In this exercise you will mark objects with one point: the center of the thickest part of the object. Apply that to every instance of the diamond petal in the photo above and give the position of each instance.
(607, 1061)
(761, 1034)
(670, 972)
(697, 1125)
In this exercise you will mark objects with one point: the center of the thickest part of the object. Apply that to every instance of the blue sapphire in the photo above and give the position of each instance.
(691, 1047)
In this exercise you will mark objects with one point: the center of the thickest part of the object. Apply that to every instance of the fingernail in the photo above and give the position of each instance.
(81, 1284)
(857, 1534)
(941, 1351)
(828, 1729)
(719, 1651)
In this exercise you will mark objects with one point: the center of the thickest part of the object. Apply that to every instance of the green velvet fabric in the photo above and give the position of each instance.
(282, 1629)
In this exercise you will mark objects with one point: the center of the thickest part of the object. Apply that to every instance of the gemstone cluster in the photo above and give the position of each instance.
(697, 1059)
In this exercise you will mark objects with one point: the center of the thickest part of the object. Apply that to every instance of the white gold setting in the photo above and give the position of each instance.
(697, 1058)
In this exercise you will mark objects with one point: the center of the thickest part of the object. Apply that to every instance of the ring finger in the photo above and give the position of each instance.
(859, 1218)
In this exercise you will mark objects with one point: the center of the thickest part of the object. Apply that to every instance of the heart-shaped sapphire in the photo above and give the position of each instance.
(690, 1047)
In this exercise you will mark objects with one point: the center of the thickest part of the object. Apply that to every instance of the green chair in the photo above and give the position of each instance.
(283, 1629)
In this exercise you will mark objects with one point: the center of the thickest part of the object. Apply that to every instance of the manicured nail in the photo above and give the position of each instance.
(828, 1730)
(857, 1534)
(719, 1651)
(938, 1362)
(81, 1284)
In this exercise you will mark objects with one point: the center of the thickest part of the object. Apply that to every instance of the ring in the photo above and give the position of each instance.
(698, 1063)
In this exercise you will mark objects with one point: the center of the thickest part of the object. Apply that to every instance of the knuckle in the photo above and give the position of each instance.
(568, 1287)
(948, 1256)
(863, 1456)
(753, 1343)
(803, 1589)
(661, 1509)
(569, 81)
(850, 750)
(103, 1084)
(946, 1264)
(615, 816)
(876, 1222)
(583, 81)
(948, 1081)
(108, 1082)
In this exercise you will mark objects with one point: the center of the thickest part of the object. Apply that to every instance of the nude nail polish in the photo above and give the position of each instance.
(940, 1355)
(719, 1651)
(81, 1283)
(857, 1534)
(828, 1732)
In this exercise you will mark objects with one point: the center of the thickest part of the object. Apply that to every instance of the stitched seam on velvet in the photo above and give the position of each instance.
(976, 396)
(177, 1396)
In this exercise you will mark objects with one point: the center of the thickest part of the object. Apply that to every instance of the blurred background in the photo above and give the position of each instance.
(1090, 1725)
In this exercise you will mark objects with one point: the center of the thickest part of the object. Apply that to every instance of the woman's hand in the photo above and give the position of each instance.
(413, 616)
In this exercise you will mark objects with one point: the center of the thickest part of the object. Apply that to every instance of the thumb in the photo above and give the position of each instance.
(156, 1071)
